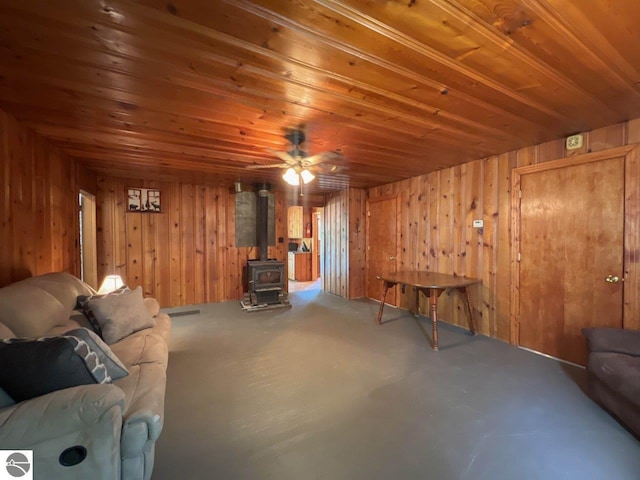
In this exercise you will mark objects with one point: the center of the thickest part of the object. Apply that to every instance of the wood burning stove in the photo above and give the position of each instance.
(265, 277)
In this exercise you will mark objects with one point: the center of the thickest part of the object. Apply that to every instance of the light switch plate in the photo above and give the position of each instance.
(478, 224)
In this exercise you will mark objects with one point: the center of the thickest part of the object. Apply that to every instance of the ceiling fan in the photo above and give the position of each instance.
(300, 167)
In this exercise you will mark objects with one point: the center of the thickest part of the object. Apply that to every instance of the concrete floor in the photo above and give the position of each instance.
(320, 392)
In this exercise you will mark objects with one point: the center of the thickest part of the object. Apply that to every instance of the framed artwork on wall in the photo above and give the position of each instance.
(143, 200)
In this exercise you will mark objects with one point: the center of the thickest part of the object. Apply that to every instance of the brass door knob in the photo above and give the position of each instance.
(612, 279)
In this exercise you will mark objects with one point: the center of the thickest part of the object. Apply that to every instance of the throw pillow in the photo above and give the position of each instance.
(121, 315)
(115, 368)
(30, 368)
(83, 301)
(153, 307)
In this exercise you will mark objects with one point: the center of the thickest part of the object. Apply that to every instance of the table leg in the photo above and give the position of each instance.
(472, 326)
(385, 288)
(434, 293)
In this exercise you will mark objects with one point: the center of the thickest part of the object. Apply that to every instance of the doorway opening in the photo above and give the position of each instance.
(88, 244)
(306, 240)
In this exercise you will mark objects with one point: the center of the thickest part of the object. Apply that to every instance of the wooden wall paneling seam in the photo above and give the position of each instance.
(221, 250)
(424, 231)
(104, 229)
(445, 264)
(339, 211)
(340, 249)
(161, 256)
(489, 213)
(235, 254)
(459, 239)
(120, 200)
(506, 164)
(133, 221)
(367, 233)
(42, 219)
(199, 245)
(335, 243)
(329, 238)
(327, 246)
(210, 245)
(434, 226)
(175, 242)
(19, 214)
(407, 244)
(471, 190)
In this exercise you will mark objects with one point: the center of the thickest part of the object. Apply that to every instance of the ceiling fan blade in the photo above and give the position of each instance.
(327, 168)
(284, 156)
(322, 157)
(277, 165)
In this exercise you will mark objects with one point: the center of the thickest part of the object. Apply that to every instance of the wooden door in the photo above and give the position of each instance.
(571, 240)
(382, 250)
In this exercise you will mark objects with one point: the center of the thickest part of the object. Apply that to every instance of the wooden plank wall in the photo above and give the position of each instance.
(184, 255)
(437, 213)
(345, 243)
(336, 218)
(38, 205)
(357, 243)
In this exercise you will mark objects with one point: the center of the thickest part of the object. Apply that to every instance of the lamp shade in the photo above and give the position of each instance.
(110, 284)
(291, 177)
(307, 176)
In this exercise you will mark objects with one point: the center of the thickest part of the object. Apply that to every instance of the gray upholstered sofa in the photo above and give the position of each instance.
(115, 424)
(613, 372)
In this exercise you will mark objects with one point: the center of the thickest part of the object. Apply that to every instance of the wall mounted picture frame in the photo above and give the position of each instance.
(146, 200)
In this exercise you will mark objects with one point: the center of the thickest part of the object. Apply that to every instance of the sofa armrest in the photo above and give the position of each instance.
(87, 416)
(56, 413)
(614, 340)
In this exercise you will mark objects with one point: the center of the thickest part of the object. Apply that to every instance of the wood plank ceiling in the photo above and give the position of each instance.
(198, 89)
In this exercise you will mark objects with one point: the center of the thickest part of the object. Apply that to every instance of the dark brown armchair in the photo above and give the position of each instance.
(613, 372)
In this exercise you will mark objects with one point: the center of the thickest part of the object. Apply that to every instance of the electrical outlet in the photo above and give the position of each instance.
(478, 224)
(574, 142)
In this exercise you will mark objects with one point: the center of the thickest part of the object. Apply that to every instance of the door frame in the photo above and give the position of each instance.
(382, 198)
(87, 241)
(631, 258)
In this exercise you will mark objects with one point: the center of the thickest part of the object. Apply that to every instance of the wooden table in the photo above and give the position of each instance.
(431, 285)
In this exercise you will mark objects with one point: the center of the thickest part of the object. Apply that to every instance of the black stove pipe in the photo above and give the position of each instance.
(262, 220)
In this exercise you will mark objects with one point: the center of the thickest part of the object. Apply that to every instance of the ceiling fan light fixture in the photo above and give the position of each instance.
(307, 176)
(291, 177)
